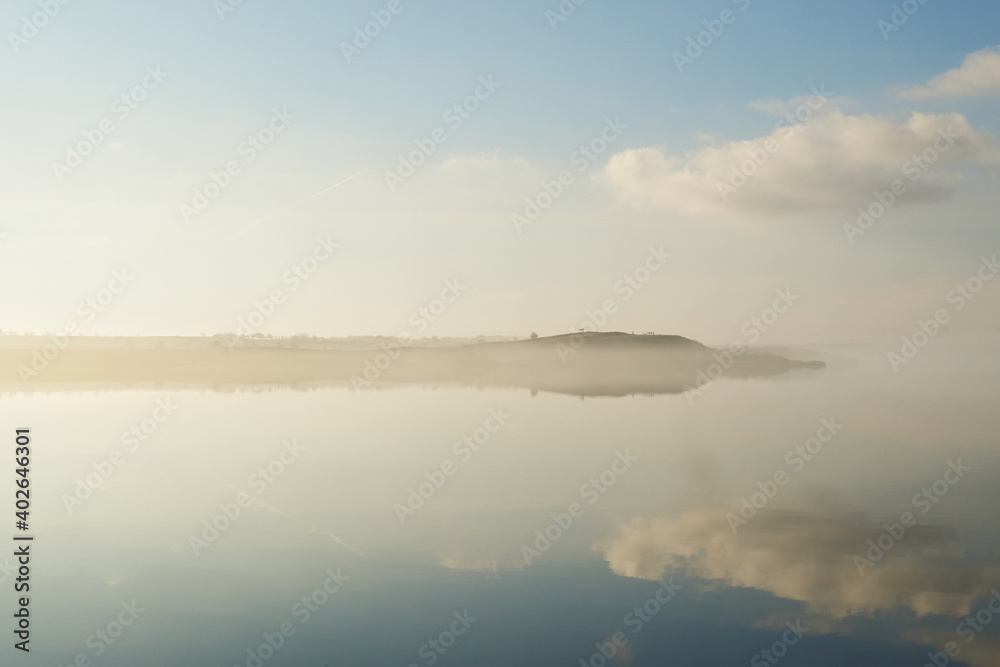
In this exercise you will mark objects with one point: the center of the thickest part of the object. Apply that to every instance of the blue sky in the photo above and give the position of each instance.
(452, 219)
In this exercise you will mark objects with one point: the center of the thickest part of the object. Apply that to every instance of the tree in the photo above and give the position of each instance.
(534, 335)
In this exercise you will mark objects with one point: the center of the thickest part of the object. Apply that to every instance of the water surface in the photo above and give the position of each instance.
(331, 514)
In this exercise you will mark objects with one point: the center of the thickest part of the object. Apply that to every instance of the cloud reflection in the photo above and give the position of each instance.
(809, 558)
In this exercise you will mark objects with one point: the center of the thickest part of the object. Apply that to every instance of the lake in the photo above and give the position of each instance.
(837, 517)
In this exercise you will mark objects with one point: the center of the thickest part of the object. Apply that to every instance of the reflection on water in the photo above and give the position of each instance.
(263, 528)
(811, 558)
(582, 364)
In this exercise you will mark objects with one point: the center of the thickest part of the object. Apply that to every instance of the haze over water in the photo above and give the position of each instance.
(381, 333)
(335, 506)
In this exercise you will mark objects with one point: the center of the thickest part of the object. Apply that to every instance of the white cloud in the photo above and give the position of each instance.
(93, 242)
(831, 159)
(708, 137)
(807, 558)
(771, 106)
(979, 76)
(485, 161)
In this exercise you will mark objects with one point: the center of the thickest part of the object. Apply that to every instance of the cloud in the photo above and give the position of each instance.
(803, 107)
(771, 106)
(828, 160)
(491, 160)
(808, 558)
(979, 76)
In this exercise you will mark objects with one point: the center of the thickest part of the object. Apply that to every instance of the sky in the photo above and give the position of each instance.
(196, 166)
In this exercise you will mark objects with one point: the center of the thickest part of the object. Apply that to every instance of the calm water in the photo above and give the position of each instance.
(455, 570)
